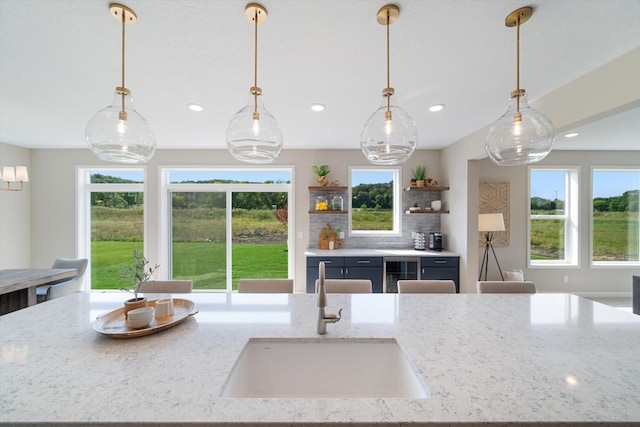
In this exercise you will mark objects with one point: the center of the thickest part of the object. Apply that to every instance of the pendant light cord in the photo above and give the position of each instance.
(123, 113)
(388, 71)
(255, 66)
(518, 67)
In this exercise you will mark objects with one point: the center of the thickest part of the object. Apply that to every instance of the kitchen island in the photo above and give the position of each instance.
(485, 359)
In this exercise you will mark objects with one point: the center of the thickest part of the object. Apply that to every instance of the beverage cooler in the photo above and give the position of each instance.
(397, 269)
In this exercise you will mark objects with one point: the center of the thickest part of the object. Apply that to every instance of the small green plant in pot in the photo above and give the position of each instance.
(322, 172)
(140, 273)
(420, 174)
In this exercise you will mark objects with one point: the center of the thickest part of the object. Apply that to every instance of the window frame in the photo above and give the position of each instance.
(606, 264)
(570, 217)
(397, 201)
(164, 220)
(84, 188)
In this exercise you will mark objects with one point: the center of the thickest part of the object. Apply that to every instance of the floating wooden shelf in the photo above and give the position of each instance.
(328, 212)
(423, 212)
(327, 188)
(426, 189)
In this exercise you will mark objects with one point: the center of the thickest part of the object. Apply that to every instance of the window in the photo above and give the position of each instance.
(110, 222)
(221, 225)
(615, 237)
(374, 201)
(553, 216)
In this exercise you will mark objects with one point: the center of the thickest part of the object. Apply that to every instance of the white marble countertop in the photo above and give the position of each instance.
(401, 253)
(486, 359)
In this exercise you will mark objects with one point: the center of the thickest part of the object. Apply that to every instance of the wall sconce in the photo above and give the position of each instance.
(522, 135)
(9, 175)
(390, 135)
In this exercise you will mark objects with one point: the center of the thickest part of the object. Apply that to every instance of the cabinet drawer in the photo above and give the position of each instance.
(436, 261)
(362, 261)
(329, 261)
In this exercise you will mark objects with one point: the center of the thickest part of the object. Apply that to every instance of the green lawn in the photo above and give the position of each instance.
(204, 263)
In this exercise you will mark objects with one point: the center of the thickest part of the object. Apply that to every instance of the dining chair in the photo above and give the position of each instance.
(57, 290)
(426, 287)
(347, 286)
(265, 286)
(499, 287)
(166, 287)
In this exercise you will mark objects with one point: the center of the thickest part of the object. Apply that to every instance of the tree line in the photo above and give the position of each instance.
(627, 202)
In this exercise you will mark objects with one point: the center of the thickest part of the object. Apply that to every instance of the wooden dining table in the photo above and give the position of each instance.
(18, 286)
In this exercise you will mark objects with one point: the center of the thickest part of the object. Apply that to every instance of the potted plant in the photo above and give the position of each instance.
(140, 273)
(322, 172)
(419, 174)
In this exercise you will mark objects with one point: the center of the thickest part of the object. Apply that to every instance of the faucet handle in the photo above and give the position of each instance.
(334, 317)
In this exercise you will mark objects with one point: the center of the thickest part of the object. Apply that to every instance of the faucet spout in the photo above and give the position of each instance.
(324, 318)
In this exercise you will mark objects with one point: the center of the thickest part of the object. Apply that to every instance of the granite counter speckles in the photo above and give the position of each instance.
(486, 359)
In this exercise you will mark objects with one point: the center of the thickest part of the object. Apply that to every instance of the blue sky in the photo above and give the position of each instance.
(605, 183)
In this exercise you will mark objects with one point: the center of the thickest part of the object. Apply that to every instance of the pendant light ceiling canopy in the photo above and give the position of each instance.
(253, 135)
(390, 135)
(119, 133)
(522, 135)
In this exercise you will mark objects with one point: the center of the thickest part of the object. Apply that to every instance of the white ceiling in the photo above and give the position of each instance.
(60, 62)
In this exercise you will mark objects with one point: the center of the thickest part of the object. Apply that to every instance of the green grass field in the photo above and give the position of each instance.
(204, 263)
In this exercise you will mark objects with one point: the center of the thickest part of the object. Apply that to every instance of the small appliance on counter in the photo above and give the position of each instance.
(419, 241)
(435, 241)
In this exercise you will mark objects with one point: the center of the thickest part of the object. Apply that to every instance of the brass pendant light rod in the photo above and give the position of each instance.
(257, 14)
(515, 19)
(387, 15)
(125, 15)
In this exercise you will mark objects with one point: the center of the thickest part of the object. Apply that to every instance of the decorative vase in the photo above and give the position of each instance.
(134, 303)
(420, 183)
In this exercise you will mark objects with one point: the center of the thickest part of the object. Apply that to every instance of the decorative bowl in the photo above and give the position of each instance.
(140, 317)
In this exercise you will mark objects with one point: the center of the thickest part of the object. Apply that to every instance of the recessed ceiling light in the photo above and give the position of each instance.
(195, 107)
(570, 135)
(437, 107)
(317, 107)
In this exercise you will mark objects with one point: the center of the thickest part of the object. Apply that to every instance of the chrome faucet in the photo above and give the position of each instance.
(324, 318)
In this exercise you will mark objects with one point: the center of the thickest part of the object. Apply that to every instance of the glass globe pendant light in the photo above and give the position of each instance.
(118, 133)
(390, 135)
(253, 135)
(522, 135)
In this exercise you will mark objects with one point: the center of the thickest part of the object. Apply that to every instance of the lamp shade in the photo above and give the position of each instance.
(254, 140)
(388, 142)
(116, 140)
(21, 174)
(491, 222)
(8, 174)
(512, 141)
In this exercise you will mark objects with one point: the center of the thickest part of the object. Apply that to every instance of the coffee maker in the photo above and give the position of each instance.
(435, 241)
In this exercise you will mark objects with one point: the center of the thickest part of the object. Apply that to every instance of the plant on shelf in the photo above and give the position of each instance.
(139, 272)
(327, 235)
(322, 172)
(419, 174)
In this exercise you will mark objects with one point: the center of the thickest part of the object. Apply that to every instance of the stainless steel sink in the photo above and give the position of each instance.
(330, 368)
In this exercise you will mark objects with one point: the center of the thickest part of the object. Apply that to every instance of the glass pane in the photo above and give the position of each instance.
(230, 176)
(198, 238)
(116, 230)
(260, 234)
(547, 239)
(616, 234)
(547, 192)
(372, 201)
(118, 177)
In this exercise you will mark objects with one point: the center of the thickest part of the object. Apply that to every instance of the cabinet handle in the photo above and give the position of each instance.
(440, 261)
(364, 261)
(346, 271)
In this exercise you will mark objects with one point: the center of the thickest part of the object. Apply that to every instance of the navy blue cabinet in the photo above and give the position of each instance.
(346, 268)
(441, 268)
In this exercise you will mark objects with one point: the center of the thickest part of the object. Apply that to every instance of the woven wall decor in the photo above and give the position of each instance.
(494, 198)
